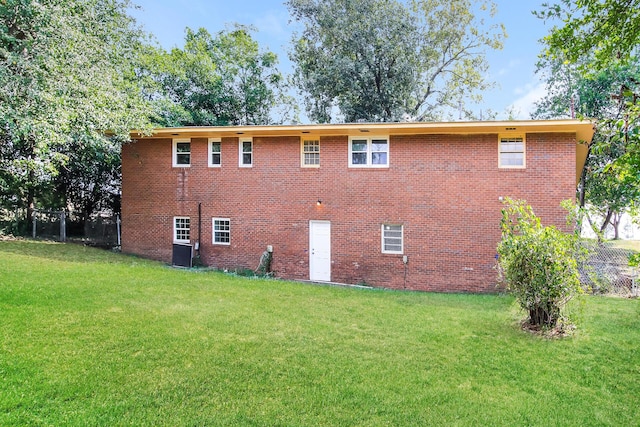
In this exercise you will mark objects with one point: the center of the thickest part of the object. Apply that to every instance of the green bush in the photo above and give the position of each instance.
(537, 264)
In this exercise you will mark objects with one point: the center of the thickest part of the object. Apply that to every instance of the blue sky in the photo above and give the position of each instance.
(513, 68)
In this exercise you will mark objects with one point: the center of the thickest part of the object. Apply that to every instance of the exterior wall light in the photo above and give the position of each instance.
(319, 202)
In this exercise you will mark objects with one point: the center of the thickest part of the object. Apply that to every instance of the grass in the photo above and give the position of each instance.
(89, 337)
(631, 245)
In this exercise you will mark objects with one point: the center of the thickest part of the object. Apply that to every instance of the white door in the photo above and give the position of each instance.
(320, 251)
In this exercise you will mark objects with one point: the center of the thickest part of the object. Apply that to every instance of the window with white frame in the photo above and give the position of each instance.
(215, 152)
(221, 231)
(310, 152)
(181, 153)
(181, 229)
(512, 151)
(392, 239)
(246, 152)
(369, 152)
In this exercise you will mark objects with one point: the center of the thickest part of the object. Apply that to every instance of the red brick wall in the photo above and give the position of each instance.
(444, 189)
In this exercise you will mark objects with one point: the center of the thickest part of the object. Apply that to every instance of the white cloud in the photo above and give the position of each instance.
(523, 106)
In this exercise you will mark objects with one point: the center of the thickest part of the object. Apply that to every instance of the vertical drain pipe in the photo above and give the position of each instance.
(199, 228)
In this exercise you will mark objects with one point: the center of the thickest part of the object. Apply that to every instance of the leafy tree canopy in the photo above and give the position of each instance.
(214, 80)
(386, 60)
(607, 30)
(67, 72)
(594, 69)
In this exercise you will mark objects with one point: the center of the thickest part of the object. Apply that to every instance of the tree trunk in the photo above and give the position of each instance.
(607, 219)
(615, 221)
(30, 203)
(583, 179)
(30, 184)
(544, 315)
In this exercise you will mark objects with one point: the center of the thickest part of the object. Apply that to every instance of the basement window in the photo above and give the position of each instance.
(369, 152)
(392, 239)
(512, 152)
(181, 229)
(215, 153)
(181, 153)
(221, 231)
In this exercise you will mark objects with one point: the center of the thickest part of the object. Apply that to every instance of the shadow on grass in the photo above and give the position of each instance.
(67, 252)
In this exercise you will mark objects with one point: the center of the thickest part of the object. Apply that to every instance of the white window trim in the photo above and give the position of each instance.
(213, 231)
(174, 156)
(524, 151)
(240, 164)
(369, 155)
(210, 152)
(401, 251)
(302, 152)
(175, 230)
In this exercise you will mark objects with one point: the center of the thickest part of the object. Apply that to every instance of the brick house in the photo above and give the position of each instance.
(395, 205)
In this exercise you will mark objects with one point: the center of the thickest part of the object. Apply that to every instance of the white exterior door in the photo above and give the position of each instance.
(320, 251)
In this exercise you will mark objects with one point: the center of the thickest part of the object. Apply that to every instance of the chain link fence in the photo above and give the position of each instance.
(49, 225)
(101, 230)
(606, 269)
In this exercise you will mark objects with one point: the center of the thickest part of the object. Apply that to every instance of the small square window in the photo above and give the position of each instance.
(181, 153)
(246, 153)
(221, 231)
(181, 229)
(392, 239)
(215, 152)
(310, 152)
(512, 152)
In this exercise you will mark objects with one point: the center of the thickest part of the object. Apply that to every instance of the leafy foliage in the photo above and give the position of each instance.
(606, 30)
(610, 183)
(221, 80)
(66, 75)
(537, 264)
(384, 60)
(603, 36)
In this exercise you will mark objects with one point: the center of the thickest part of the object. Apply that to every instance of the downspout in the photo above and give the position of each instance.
(199, 229)
(196, 259)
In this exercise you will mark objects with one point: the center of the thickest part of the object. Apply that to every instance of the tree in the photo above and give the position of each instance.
(90, 178)
(603, 36)
(384, 60)
(222, 80)
(537, 264)
(609, 187)
(66, 74)
(608, 31)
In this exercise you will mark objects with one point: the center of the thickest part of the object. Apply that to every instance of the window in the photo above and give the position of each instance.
(512, 152)
(215, 153)
(181, 229)
(246, 153)
(181, 153)
(221, 231)
(310, 152)
(369, 152)
(392, 239)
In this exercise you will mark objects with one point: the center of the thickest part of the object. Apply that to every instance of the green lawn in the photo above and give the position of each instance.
(89, 337)
(632, 245)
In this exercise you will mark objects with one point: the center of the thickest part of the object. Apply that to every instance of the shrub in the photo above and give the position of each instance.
(537, 264)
